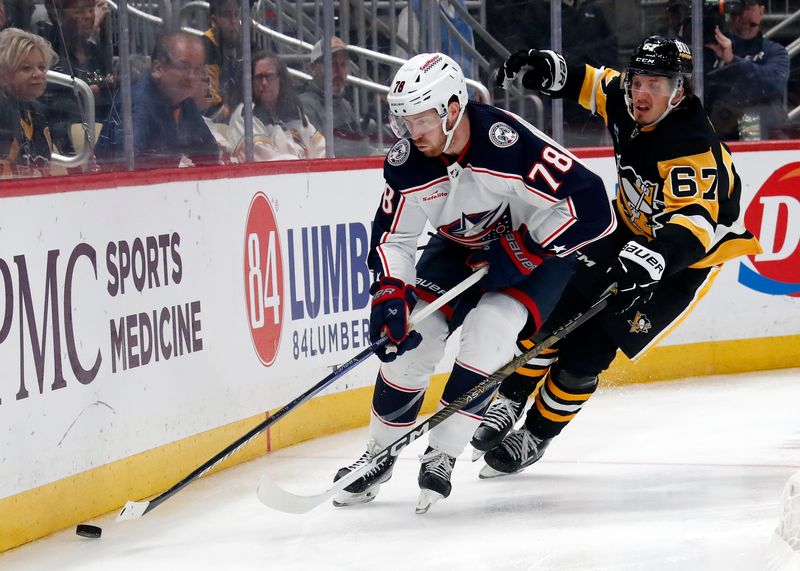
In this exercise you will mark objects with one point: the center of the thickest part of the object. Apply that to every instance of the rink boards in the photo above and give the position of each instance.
(150, 319)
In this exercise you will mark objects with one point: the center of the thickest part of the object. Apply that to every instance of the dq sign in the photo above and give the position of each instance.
(774, 217)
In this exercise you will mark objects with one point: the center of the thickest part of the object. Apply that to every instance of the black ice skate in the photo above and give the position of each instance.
(516, 452)
(501, 417)
(365, 488)
(434, 478)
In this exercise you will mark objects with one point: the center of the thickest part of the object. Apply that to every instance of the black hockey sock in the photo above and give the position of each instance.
(520, 384)
(557, 403)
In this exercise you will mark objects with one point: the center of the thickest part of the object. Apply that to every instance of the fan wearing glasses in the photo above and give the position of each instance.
(168, 128)
(281, 130)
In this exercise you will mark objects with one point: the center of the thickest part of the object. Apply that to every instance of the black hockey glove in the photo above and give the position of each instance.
(547, 71)
(511, 259)
(637, 272)
(392, 303)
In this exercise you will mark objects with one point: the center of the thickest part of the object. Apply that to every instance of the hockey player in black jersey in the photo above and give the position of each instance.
(677, 205)
(496, 191)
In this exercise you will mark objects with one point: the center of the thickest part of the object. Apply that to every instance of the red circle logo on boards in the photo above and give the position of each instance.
(774, 217)
(263, 279)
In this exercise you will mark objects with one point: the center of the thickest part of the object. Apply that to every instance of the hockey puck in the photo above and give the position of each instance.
(90, 531)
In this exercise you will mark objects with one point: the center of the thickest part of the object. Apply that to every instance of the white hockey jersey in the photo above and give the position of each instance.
(508, 175)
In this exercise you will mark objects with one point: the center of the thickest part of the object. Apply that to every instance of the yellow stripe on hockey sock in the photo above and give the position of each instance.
(531, 372)
(555, 391)
(551, 415)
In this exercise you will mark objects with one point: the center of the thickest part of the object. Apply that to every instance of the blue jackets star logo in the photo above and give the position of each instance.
(479, 228)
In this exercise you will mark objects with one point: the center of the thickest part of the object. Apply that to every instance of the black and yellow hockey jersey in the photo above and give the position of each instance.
(677, 184)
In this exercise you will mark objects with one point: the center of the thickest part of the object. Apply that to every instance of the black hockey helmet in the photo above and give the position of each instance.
(661, 56)
(664, 57)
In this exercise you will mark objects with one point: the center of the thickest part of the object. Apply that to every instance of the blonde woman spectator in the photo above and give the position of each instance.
(25, 145)
(281, 131)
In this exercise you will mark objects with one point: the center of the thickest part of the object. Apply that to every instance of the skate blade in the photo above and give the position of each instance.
(477, 454)
(426, 499)
(488, 472)
(344, 499)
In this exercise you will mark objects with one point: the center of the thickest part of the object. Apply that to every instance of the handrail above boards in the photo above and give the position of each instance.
(86, 104)
(377, 56)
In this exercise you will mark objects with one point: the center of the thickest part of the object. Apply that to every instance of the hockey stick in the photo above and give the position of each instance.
(280, 499)
(135, 510)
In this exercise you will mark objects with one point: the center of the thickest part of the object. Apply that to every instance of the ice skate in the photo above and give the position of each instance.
(434, 478)
(501, 417)
(364, 489)
(516, 452)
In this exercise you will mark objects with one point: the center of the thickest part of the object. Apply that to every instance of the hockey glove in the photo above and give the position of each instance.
(392, 303)
(511, 259)
(547, 71)
(637, 272)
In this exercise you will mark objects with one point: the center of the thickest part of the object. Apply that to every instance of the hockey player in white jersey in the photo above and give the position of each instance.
(497, 192)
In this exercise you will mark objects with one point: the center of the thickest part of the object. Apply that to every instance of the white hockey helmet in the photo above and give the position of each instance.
(426, 81)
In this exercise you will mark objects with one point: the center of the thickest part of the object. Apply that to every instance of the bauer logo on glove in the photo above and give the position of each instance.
(511, 259)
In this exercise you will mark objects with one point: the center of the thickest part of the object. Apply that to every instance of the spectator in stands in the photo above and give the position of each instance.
(3, 19)
(219, 131)
(70, 30)
(281, 130)
(25, 147)
(168, 129)
(746, 87)
(18, 13)
(348, 138)
(679, 21)
(586, 37)
(224, 58)
(503, 19)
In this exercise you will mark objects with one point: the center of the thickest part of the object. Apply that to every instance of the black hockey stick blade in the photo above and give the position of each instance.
(135, 510)
(276, 497)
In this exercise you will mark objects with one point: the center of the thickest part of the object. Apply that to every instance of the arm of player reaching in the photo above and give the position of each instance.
(551, 73)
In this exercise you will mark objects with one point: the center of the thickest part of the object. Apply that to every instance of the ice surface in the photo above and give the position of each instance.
(681, 475)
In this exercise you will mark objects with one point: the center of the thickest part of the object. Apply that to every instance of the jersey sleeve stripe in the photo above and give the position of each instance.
(593, 96)
(564, 227)
(537, 192)
(697, 225)
(611, 227)
(424, 186)
(384, 261)
(398, 213)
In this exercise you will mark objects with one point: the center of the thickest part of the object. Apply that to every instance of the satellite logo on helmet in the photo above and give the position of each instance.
(774, 217)
(263, 279)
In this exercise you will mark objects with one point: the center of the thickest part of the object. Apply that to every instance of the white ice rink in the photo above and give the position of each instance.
(681, 475)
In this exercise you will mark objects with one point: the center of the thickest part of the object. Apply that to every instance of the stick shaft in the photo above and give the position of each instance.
(425, 312)
(273, 496)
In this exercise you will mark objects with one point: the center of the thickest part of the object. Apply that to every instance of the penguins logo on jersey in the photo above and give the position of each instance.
(479, 228)
(640, 323)
(503, 135)
(639, 200)
(399, 153)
